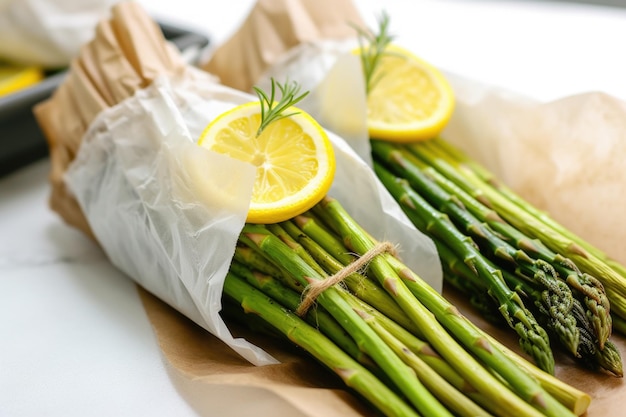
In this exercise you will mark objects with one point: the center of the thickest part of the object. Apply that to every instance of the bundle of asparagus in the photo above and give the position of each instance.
(385, 332)
(488, 243)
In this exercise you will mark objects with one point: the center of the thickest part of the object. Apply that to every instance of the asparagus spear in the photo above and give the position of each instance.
(533, 338)
(300, 333)
(364, 288)
(608, 358)
(585, 287)
(478, 299)
(588, 352)
(458, 403)
(595, 324)
(332, 301)
(321, 238)
(400, 335)
(488, 177)
(542, 299)
(396, 280)
(619, 324)
(414, 352)
(528, 223)
(539, 272)
(570, 397)
(316, 317)
(574, 399)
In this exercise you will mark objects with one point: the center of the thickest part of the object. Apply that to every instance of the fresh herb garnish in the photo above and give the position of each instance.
(372, 47)
(272, 110)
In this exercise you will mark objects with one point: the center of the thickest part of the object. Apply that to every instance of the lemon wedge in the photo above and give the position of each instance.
(410, 99)
(294, 159)
(13, 78)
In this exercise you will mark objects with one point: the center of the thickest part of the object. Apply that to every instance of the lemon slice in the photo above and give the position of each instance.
(410, 99)
(293, 155)
(13, 78)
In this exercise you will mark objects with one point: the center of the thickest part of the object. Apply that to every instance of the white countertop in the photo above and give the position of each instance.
(75, 337)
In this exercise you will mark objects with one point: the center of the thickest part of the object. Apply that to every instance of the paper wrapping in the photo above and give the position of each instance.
(564, 156)
(126, 170)
(271, 29)
(100, 77)
(168, 212)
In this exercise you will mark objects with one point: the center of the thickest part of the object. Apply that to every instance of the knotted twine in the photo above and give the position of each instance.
(315, 288)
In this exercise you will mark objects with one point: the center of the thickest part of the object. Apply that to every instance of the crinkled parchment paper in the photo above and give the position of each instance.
(126, 170)
(567, 157)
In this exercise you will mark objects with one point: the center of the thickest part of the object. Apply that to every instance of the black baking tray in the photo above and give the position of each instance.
(21, 140)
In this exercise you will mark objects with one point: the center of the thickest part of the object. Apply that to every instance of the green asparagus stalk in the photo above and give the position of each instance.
(584, 286)
(448, 394)
(254, 260)
(332, 301)
(353, 375)
(317, 318)
(574, 399)
(417, 355)
(546, 302)
(588, 353)
(541, 299)
(420, 348)
(610, 359)
(489, 178)
(538, 271)
(570, 397)
(397, 281)
(619, 324)
(478, 299)
(412, 351)
(364, 288)
(462, 176)
(363, 285)
(533, 338)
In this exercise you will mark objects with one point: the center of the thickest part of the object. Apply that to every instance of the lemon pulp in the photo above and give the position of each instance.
(410, 99)
(293, 157)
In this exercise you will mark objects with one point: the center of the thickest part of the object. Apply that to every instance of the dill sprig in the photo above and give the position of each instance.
(372, 46)
(272, 110)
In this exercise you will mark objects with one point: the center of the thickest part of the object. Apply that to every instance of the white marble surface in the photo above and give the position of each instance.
(75, 338)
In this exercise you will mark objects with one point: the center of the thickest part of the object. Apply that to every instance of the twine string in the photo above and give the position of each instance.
(314, 289)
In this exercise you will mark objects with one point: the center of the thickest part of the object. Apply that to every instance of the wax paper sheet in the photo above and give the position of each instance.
(565, 156)
(168, 212)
